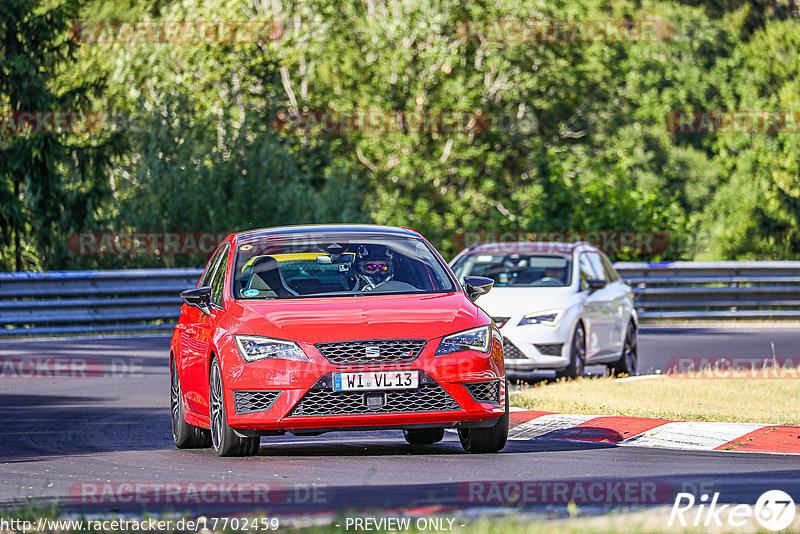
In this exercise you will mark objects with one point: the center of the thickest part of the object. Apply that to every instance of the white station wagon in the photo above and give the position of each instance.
(559, 306)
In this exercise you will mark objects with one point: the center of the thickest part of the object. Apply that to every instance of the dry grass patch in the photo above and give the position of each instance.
(768, 401)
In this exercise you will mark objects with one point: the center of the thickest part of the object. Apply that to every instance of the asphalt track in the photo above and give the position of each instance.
(69, 440)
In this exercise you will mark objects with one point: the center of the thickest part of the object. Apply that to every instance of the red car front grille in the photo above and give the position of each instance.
(487, 391)
(254, 401)
(429, 397)
(376, 351)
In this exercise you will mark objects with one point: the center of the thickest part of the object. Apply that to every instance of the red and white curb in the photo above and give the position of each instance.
(646, 432)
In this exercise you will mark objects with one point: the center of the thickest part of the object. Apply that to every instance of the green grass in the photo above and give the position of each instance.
(625, 522)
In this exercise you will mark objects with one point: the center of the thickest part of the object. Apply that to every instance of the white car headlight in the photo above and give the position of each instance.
(548, 318)
(253, 348)
(477, 339)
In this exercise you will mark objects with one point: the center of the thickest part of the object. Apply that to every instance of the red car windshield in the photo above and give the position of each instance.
(282, 266)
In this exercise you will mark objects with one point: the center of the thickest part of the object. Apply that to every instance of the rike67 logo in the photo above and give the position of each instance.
(774, 510)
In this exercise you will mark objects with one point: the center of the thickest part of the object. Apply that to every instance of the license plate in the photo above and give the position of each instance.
(375, 381)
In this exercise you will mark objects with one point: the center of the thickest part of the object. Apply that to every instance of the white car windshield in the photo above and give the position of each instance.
(518, 270)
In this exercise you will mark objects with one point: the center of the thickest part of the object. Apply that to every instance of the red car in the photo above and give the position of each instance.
(316, 329)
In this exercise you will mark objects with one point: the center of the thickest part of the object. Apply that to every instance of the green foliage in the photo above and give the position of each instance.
(578, 138)
(559, 155)
(198, 181)
(50, 183)
(756, 212)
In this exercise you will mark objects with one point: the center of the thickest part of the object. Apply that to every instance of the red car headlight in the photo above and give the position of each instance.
(253, 348)
(477, 339)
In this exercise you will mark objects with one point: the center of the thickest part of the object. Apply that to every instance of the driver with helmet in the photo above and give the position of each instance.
(374, 265)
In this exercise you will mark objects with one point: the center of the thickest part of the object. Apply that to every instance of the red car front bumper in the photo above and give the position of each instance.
(301, 388)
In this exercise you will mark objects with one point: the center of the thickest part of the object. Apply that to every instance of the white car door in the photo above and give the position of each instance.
(613, 296)
(593, 312)
(622, 305)
(604, 302)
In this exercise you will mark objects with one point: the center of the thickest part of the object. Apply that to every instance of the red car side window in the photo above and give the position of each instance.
(205, 280)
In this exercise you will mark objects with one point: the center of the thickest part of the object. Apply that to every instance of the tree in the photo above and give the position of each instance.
(553, 108)
(755, 214)
(205, 153)
(50, 182)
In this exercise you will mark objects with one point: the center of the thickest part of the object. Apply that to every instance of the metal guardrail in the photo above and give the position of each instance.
(725, 290)
(65, 302)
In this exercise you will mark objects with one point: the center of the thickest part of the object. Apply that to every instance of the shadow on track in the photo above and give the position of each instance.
(33, 427)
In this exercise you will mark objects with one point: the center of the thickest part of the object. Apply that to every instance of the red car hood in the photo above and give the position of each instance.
(317, 320)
